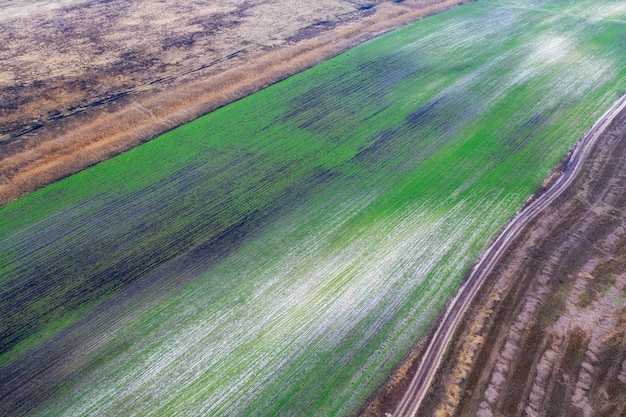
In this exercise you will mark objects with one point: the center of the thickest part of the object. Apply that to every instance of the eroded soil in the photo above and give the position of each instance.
(547, 334)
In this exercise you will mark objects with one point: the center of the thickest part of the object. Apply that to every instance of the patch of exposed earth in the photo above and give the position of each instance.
(547, 334)
(83, 80)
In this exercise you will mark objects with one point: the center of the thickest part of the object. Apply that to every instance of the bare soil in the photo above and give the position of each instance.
(547, 334)
(84, 80)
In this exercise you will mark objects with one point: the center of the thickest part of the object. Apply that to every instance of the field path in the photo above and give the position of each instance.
(434, 352)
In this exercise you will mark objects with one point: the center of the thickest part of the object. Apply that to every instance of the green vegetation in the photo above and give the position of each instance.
(280, 255)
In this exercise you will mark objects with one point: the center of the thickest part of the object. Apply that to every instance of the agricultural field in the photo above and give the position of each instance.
(82, 81)
(281, 255)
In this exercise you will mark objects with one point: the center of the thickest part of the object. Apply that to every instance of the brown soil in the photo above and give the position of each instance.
(84, 80)
(546, 335)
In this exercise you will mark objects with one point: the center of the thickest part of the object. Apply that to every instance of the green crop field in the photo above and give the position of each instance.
(280, 256)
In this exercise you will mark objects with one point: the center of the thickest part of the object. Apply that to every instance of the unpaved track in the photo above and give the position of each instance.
(434, 352)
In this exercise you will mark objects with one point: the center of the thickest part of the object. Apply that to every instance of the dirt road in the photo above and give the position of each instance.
(420, 384)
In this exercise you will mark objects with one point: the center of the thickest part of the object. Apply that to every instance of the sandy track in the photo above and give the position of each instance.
(441, 339)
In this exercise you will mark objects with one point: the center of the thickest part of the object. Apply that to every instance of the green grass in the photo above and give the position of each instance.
(280, 255)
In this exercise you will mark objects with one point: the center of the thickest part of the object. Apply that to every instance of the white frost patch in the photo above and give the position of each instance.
(609, 11)
(549, 49)
(539, 55)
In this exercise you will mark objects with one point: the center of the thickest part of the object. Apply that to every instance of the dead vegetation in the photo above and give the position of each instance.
(58, 124)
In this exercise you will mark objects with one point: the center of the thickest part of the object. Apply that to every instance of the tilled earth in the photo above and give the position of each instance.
(547, 334)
